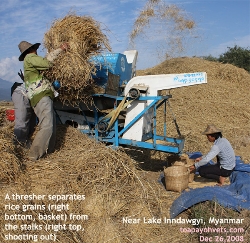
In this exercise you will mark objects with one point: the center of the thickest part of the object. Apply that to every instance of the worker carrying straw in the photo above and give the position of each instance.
(41, 94)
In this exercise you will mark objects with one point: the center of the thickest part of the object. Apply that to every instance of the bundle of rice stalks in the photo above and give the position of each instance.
(74, 69)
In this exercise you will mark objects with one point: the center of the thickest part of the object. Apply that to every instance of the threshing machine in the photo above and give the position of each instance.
(126, 112)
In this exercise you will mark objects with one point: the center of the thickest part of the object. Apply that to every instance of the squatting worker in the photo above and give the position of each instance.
(224, 153)
(40, 93)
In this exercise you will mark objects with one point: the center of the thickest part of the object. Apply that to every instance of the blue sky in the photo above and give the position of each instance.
(219, 24)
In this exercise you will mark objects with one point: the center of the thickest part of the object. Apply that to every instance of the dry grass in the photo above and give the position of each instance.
(10, 164)
(110, 179)
(112, 185)
(74, 69)
(212, 209)
(222, 101)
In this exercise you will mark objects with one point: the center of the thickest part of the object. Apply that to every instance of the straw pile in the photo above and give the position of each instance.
(222, 101)
(2, 116)
(73, 68)
(9, 162)
(112, 186)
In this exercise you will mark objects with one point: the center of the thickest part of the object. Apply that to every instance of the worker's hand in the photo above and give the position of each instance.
(192, 168)
(64, 46)
(21, 75)
(198, 159)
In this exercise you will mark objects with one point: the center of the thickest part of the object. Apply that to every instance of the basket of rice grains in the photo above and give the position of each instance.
(176, 178)
(188, 162)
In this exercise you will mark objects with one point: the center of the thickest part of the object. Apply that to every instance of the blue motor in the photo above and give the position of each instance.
(112, 71)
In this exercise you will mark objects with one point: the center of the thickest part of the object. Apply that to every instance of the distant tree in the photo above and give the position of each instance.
(210, 58)
(237, 56)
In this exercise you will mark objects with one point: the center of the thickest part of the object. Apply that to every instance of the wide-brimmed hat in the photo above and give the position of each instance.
(24, 48)
(211, 129)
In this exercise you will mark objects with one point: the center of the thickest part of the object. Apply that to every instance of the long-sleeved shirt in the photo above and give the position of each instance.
(22, 89)
(33, 65)
(223, 149)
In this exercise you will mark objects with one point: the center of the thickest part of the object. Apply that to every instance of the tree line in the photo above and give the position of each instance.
(237, 56)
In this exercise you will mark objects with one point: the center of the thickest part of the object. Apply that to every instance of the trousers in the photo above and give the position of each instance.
(25, 118)
(45, 139)
(214, 172)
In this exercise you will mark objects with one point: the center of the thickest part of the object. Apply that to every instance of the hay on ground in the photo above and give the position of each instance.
(112, 186)
(10, 165)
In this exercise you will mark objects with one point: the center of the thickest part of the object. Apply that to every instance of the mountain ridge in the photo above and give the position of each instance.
(5, 87)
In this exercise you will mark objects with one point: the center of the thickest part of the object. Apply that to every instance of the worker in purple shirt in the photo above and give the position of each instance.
(41, 94)
(224, 153)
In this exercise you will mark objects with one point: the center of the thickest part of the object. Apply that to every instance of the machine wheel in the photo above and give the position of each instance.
(102, 126)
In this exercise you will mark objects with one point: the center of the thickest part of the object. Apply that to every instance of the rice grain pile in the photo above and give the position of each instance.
(222, 101)
(74, 69)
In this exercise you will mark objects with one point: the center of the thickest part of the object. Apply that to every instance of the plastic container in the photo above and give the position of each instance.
(10, 114)
(56, 84)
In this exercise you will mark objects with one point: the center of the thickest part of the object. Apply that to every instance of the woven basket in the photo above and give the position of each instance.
(191, 175)
(185, 159)
(181, 163)
(178, 163)
(176, 178)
